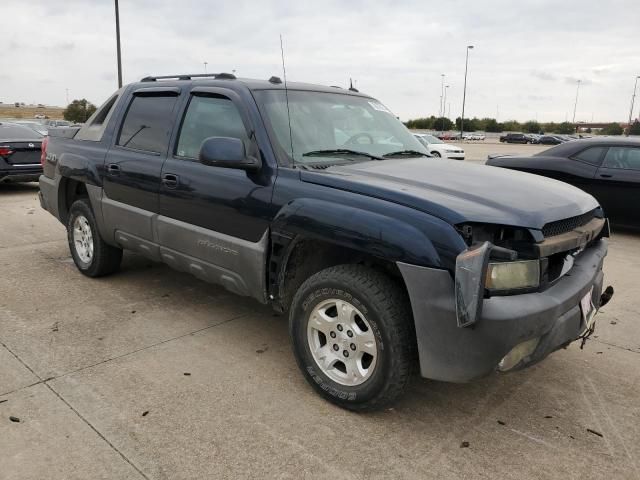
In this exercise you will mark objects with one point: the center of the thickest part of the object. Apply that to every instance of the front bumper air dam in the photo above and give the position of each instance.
(454, 354)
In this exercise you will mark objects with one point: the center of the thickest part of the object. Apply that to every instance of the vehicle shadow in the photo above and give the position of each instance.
(13, 188)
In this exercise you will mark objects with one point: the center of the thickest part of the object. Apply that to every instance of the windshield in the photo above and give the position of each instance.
(431, 139)
(332, 121)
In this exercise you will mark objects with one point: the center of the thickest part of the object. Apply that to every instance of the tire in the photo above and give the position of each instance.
(436, 154)
(381, 315)
(92, 256)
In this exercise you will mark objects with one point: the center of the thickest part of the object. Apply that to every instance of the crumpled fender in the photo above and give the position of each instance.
(361, 230)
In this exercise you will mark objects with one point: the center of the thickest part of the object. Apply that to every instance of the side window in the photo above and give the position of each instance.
(94, 128)
(592, 155)
(623, 157)
(147, 123)
(208, 116)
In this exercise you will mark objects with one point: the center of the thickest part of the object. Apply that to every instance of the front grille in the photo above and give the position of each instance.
(563, 226)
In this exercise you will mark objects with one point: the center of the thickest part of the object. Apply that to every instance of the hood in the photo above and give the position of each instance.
(460, 192)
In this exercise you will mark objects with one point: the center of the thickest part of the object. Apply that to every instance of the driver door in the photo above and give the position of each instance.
(213, 220)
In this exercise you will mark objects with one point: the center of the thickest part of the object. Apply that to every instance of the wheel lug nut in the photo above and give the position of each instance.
(345, 353)
(349, 333)
(353, 346)
(336, 347)
(339, 328)
(333, 334)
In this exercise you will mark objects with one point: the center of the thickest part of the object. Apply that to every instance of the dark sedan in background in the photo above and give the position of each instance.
(608, 168)
(19, 153)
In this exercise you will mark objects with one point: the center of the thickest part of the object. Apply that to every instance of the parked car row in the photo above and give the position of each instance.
(535, 138)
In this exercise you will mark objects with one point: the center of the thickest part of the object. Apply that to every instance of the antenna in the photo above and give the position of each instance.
(286, 96)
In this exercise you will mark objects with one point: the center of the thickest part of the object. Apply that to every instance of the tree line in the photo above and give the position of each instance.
(492, 125)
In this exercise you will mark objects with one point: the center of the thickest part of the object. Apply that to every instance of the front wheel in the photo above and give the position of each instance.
(90, 253)
(436, 154)
(352, 334)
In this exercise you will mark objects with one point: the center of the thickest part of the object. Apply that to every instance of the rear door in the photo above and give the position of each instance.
(618, 184)
(214, 221)
(133, 166)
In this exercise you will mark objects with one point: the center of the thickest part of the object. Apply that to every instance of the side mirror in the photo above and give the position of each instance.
(226, 152)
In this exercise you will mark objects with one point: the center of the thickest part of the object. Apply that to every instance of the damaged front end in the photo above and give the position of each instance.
(503, 260)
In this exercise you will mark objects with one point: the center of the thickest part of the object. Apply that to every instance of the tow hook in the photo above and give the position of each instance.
(606, 296)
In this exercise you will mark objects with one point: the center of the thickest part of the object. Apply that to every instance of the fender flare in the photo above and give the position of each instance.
(361, 230)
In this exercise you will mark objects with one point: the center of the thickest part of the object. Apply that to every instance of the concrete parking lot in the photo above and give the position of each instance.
(152, 374)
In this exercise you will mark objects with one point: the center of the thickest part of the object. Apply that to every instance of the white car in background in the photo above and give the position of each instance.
(438, 148)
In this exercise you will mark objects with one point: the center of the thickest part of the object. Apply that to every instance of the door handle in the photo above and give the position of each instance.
(113, 169)
(170, 180)
(605, 175)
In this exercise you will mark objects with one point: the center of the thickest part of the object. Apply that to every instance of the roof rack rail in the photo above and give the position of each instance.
(221, 76)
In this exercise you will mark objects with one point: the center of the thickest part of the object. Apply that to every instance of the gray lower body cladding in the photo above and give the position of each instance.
(236, 264)
(454, 354)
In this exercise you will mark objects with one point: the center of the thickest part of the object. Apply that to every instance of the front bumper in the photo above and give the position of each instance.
(455, 354)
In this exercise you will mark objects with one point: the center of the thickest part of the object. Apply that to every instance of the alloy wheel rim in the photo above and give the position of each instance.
(342, 342)
(83, 239)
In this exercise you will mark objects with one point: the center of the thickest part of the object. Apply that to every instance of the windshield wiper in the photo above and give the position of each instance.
(339, 152)
(406, 153)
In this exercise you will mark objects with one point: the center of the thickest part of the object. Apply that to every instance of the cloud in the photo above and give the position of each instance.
(395, 50)
(547, 76)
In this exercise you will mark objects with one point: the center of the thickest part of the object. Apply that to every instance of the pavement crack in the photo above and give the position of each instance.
(613, 345)
(90, 425)
(63, 400)
(142, 349)
(106, 360)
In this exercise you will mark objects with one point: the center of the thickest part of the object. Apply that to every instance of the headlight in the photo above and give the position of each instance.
(513, 275)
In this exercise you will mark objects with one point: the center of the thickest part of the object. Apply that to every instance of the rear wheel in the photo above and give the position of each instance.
(436, 154)
(352, 334)
(90, 253)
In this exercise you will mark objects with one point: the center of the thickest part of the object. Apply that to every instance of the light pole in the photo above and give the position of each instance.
(575, 105)
(444, 106)
(633, 100)
(205, 66)
(441, 93)
(464, 91)
(118, 45)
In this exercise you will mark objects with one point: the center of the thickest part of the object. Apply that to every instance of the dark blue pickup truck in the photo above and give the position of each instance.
(318, 201)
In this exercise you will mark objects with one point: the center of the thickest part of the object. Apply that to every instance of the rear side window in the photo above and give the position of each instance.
(592, 155)
(623, 157)
(147, 123)
(94, 128)
(208, 116)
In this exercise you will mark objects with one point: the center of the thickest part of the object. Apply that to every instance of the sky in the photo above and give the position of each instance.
(527, 57)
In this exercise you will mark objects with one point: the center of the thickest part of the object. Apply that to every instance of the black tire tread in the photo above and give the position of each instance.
(106, 258)
(392, 304)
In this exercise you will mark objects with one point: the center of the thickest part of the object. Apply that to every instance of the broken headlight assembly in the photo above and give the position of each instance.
(487, 268)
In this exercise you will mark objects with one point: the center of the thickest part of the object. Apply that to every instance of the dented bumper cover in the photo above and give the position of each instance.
(553, 316)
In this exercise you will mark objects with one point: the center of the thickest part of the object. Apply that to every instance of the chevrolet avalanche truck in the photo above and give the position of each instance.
(318, 201)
